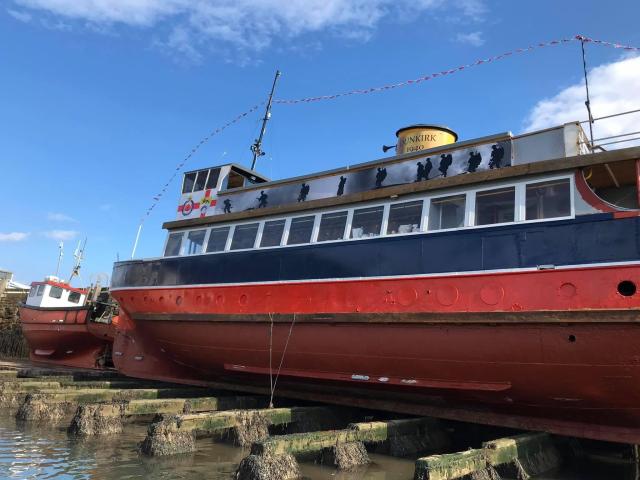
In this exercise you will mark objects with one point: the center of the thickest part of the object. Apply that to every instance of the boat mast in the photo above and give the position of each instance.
(256, 148)
(60, 255)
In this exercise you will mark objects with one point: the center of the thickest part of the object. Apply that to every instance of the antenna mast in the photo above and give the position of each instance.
(78, 255)
(587, 103)
(60, 255)
(256, 148)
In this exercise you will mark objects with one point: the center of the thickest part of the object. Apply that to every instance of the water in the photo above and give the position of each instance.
(45, 451)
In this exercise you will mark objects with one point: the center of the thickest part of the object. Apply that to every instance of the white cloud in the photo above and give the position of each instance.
(60, 217)
(473, 38)
(20, 15)
(613, 87)
(13, 236)
(61, 234)
(249, 25)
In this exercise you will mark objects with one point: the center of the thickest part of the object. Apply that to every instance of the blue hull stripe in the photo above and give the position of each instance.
(587, 239)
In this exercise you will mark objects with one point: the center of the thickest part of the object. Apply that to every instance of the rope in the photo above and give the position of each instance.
(273, 388)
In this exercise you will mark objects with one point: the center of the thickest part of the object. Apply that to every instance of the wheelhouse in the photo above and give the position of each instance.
(53, 293)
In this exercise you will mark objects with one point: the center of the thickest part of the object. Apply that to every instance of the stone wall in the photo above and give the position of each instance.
(12, 342)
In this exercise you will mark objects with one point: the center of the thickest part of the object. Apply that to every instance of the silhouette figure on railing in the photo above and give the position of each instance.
(497, 154)
(227, 206)
(380, 176)
(262, 199)
(343, 180)
(475, 159)
(304, 191)
(445, 163)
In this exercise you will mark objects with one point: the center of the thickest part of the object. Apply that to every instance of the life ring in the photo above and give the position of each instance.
(187, 207)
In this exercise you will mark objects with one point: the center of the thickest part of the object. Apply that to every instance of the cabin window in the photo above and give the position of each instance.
(495, 206)
(40, 290)
(367, 222)
(195, 242)
(300, 230)
(218, 239)
(244, 236)
(189, 180)
(212, 181)
(32, 291)
(447, 212)
(332, 226)
(173, 245)
(404, 217)
(201, 180)
(55, 292)
(74, 297)
(272, 233)
(548, 199)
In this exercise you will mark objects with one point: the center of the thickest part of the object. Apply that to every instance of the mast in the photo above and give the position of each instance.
(256, 148)
(60, 255)
(78, 255)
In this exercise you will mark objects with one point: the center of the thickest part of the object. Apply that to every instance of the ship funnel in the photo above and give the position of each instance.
(422, 137)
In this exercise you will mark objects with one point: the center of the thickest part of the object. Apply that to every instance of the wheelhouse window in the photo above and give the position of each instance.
(447, 212)
(244, 236)
(173, 245)
(300, 230)
(195, 242)
(404, 217)
(548, 199)
(189, 180)
(272, 233)
(55, 292)
(32, 291)
(495, 206)
(201, 180)
(74, 297)
(218, 239)
(332, 226)
(40, 290)
(212, 181)
(367, 222)
(235, 180)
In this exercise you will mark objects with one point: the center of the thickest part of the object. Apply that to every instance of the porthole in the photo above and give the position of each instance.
(627, 288)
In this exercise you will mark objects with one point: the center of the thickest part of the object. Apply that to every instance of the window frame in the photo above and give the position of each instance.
(426, 197)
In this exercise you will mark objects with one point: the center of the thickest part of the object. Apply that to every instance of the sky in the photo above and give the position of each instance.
(100, 100)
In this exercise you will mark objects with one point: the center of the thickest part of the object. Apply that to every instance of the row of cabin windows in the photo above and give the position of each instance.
(201, 180)
(54, 292)
(548, 199)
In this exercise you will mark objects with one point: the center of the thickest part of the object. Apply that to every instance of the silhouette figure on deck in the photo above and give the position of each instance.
(343, 180)
(380, 176)
(445, 163)
(262, 199)
(497, 154)
(304, 191)
(424, 170)
(475, 159)
(227, 206)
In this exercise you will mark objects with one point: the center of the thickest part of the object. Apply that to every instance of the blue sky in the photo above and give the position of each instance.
(101, 99)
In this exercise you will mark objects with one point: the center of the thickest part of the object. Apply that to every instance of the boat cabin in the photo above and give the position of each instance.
(427, 191)
(54, 293)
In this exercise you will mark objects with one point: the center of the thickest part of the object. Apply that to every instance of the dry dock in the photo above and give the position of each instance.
(285, 441)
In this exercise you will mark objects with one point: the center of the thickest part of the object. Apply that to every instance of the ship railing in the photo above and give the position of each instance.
(619, 140)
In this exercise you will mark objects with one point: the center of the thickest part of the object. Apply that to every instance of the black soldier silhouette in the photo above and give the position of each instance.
(262, 199)
(343, 180)
(424, 170)
(420, 172)
(304, 191)
(380, 176)
(445, 163)
(475, 159)
(497, 154)
(427, 168)
(227, 206)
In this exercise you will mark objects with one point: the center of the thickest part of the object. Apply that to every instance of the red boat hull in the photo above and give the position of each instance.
(544, 354)
(65, 337)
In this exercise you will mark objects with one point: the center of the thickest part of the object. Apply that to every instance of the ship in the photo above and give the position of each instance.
(490, 280)
(68, 326)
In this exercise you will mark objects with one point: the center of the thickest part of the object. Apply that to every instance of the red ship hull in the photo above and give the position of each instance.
(66, 337)
(548, 350)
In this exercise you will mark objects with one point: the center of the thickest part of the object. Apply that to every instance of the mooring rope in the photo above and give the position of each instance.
(284, 352)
